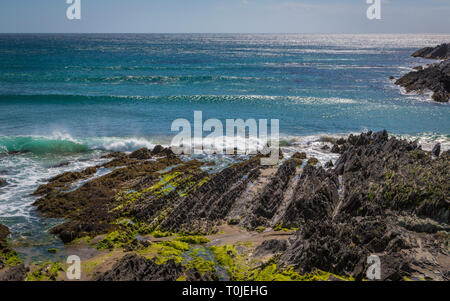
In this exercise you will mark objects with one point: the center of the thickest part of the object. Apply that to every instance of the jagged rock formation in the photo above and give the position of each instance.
(383, 196)
(15, 273)
(137, 268)
(434, 78)
(271, 246)
(436, 151)
(440, 52)
(4, 232)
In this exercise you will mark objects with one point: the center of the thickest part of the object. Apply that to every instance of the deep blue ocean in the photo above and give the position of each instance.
(74, 97)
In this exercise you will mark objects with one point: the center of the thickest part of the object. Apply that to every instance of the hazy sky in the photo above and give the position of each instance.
(230, 16)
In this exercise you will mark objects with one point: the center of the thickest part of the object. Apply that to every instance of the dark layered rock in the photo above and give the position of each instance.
(343, 214)
(2, 183)
(440, 52)
(162, 151)
(434, 78)
(15, 273)
(141, 154)
(9, 273)
(195, 275)
(436, 150)
(209, 205)
(4, 232)
(138, 268)
(343, 248)
(332, 247)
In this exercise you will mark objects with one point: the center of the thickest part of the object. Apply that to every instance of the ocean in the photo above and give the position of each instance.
(73, 98)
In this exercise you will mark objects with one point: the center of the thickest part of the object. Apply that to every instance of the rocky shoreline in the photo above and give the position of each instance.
(11, 267)
(435, 77)
(158, 216)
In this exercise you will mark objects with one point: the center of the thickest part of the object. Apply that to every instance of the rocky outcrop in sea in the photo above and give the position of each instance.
(434, 78)
(11, 267)
(383, 196)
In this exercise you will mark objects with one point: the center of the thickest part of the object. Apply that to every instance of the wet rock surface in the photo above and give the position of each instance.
(15, 273)
(272, 246)
(4, 232)
(195, 275)
(383, 196)
(440, 52)
(10, 267)
(436, 150)
(434, 78)
(383, 179)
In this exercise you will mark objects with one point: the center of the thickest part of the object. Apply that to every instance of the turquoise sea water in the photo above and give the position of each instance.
(74, 97)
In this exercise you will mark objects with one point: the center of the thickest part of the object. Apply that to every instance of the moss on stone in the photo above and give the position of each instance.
(115, 239)
(10, 257)
(281, 227)
(260, 229)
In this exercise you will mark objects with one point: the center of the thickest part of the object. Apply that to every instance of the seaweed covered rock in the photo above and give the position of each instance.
(4, 232)
(10, 264)
(268, 201)
(381, 180)
(383, 196)
(314, 196)
(138, 268)
(141, 154)
(434, 78)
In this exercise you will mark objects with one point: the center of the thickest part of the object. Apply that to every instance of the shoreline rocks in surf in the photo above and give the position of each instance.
(440, 52)
(434, 78)
(343, 214)
(11, 267)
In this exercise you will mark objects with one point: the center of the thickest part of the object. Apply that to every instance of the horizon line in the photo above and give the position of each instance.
(243, 33)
